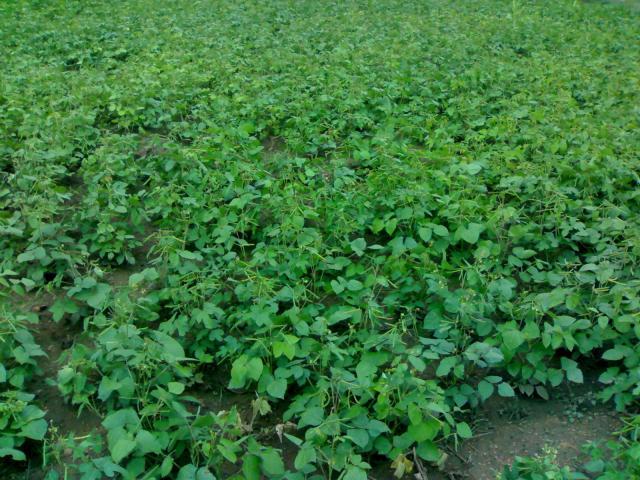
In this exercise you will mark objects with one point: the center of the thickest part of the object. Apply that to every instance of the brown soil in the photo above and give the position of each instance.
(551, 424)
(273, 145)
(506, 428)
(54, 338)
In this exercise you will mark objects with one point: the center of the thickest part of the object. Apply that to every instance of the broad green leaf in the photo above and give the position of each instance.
(440, 230)
(148, 274)
(166, 466)
(15, 454)
(341, 314)
(204, 473)
(505, 390)
(575, 375)
(613, 354)
(135, 279)
(284, 348)
(251, 467)
(547, 301)
(391, 225)
(25, 257)
(428, 451)
(35, 429)
(171, 348)
(417, 363)
(176, 387)
(355, 473)
(463, 430)
(120, 418)
(147, 442)
(229, 449)
(555, 376)
(359, 436)
(445, 366)
(255, 367)
(512, 339)
(187, 255)
(98, 297)
(531, 330)
(366, 369)
(187, 472)
(272, 463)
(62, 306)
(470, 233)
(311, 417)
(358, 246)
(337, 287)
(123, 447)
(243, 369)
(425, 234)
(277, 388)
(305, 456)
(425, 430)
(485, 389)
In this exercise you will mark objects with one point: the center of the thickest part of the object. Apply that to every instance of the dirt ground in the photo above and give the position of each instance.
(565, 424)
(506, 428)
(59, 413)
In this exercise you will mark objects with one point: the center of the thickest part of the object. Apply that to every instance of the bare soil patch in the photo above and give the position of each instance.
(506, 428)
(54, 338)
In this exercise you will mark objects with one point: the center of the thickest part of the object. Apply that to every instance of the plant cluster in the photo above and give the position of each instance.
(373, 217)
(21, 420)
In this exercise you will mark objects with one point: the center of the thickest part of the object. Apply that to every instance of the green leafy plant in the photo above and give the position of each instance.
(349, 224)
(542, 467)
(20, 420)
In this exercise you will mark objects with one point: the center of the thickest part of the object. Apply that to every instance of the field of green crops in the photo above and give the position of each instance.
(309, 240)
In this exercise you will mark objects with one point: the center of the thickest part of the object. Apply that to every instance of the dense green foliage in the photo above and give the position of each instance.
(374, 215)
